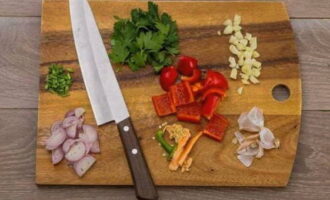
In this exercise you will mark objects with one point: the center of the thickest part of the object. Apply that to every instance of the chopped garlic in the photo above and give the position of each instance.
(256, 72)
(254, 80)
(237, 28)
(255, 54)
(234, 140)
(247, 54)
(240, 90)
(233, 73)
(248, 36)
(241, 60)
(228, 30)
(255, 63)
(240, 46)
(238, 35)
(244, 42)
(253, 43)
(244, 47)
(277, 143)
(234, 50)
(219, 32)
(232, 39)
(246, 69)
(228, 22)
(232, 62)
(237, 19)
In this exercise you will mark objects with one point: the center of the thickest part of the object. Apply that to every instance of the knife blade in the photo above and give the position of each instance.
(104, 93)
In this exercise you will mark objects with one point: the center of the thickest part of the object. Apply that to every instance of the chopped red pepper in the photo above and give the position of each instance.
(194, 78)
(186, 65)
(216, 127)
(189, 113)
(215, 79)
(197, 88)
(210, 105)
(219, 91)
(181, 94)
(163, 105)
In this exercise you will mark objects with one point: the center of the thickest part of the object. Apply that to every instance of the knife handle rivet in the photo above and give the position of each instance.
(126, 128)
(134, 151)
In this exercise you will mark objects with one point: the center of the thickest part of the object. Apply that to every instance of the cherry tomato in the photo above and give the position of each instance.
(168, 77)
(186, 65)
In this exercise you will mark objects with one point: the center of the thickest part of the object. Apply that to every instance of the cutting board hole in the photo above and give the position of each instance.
(281, 92)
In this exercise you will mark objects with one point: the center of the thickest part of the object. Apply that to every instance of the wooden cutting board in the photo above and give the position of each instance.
(214, 163)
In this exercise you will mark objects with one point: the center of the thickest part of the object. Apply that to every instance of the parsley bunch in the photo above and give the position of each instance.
(146, 38)
(58, 80)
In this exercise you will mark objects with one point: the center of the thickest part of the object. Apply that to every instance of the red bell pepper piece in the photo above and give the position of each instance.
(163, 105)
(215, 79)
(186, 65)
(181, 94)
(210, 105)
(168, 77)
(196, 75)
(218, 91)
(216, 127)
(189, 113)
(197, 88)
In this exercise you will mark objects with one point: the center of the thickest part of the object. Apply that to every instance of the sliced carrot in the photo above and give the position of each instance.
(188, 148)
(175, 159)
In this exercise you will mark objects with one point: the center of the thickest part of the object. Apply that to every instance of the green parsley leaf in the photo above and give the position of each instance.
(146, 38)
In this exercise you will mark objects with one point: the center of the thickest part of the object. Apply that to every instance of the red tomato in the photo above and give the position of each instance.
(186, 65)
(168, 77)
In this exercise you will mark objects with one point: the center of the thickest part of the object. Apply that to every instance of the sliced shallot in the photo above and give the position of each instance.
(57, 155)
(78, 112)
(55, 126)
(67, 144)
(95, 147)
(83, 165)
(90, 133)
(71, 131)
(70, 121)
(56, 139)
(76, 152)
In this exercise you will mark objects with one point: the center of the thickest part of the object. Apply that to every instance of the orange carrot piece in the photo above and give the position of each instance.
(189, 147)
(175, 159)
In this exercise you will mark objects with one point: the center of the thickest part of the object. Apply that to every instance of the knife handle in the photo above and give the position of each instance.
(144, 185)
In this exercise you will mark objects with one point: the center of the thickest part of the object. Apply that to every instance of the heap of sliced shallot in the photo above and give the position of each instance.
(73, 140)
(253, 146)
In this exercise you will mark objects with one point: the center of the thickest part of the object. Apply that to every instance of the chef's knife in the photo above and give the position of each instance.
(104, 93)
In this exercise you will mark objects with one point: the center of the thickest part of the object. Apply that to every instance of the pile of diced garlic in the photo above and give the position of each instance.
(244, 50)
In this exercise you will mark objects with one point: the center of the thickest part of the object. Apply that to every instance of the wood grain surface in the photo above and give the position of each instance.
(310, 177)
(216, 166)
(297, 8)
